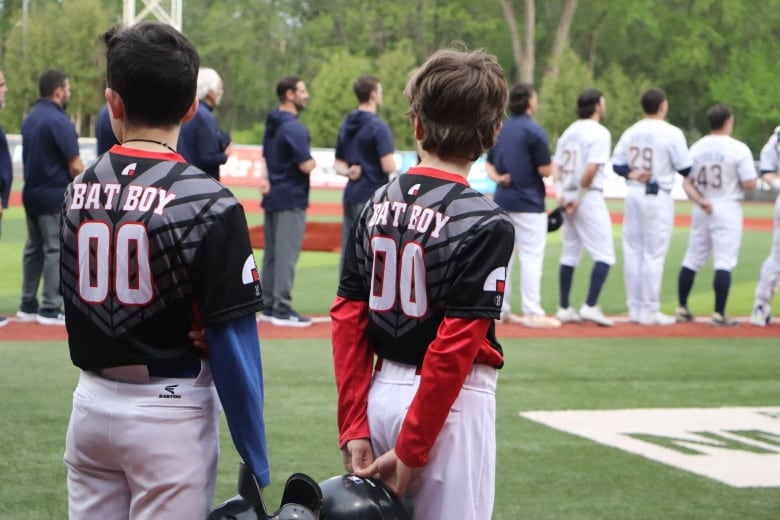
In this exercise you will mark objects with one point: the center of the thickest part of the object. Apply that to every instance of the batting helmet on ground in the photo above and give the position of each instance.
(353, 498)
(555, 219)
(301, 500)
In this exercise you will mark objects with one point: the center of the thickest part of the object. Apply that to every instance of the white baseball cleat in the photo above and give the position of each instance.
(27, 317)
(567, 315)
(540, 322)
(656, 318)
(721, 320)
(508, 317)
(682, 314)
(760, 316)
(595, 315)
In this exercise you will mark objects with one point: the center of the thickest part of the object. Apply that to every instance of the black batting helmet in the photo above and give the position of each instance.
(353, 498)
(555, 219)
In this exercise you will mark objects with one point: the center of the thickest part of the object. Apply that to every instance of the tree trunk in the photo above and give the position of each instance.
(561, 37)
(514, 33)
(529, 24)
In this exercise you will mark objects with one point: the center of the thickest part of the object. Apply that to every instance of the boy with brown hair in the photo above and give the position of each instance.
(422, 282)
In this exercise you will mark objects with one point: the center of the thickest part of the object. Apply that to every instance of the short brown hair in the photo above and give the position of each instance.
(284, 84)
(459, 98)
(364, 86)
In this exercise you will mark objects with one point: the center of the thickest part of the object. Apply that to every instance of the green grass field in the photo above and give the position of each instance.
(542, 473)
(317, 272)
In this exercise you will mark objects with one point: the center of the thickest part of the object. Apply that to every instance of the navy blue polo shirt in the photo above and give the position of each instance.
(103, 131)
(521, 147)
(285, 146)
(49, 140)
(199, 142)
(364, 139)
(6, 170)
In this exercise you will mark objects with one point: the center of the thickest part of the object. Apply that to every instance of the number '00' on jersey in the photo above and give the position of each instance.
(425, 246)
(145, 240)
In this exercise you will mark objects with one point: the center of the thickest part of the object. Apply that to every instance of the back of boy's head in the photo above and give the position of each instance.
(154, 68)
(459, 98)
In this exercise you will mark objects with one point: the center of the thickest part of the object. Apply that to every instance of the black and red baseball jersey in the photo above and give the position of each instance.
(150, 245)
(426, 246)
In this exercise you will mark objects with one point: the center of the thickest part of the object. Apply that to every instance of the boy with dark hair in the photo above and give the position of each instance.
(421, 286)
(141, 233)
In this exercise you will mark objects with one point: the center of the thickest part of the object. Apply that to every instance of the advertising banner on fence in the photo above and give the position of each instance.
(245, 166)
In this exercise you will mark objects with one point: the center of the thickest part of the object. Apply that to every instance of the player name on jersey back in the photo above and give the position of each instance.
(421, 218)
(87, 195)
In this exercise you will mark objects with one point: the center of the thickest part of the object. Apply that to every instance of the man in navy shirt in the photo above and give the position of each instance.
(364, 151)
(50, 153)
(6, 169)
(518, 162)
(285, 190)
(103, 131)
(200, 141)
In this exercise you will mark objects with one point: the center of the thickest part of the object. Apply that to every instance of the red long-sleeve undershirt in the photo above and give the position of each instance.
(459, 343)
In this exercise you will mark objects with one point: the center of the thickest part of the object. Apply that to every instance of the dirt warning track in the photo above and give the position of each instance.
(21, 331)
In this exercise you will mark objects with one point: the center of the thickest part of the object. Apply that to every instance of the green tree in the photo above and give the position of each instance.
(394, 68)
(62, 36)
(623, 96)
(558, 95)
(332, 96)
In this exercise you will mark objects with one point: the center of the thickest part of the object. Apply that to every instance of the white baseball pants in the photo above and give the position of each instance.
(769, 276)
(589, 228)
(530, 241)
(718, 233)
(134, 455)
(647, 232)
(459, 479)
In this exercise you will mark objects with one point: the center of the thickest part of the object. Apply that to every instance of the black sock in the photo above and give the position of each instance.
(721, 282)
(597, 278)
(684, 285)
(565, 276)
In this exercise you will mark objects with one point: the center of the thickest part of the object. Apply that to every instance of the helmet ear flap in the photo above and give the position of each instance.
(301, 500)
(300, 493)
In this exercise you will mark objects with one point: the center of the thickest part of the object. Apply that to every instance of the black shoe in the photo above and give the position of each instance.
(290, 319)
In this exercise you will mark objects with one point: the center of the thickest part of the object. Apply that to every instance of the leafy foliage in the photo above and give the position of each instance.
(700, 51)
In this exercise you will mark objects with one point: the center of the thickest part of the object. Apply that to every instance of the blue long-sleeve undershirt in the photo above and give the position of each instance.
(234, 356)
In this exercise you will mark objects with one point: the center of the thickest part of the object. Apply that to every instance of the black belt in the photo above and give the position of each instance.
(188, 369)
(380, 361)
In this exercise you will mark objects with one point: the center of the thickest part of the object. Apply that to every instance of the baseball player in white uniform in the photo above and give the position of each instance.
(578, 170)
(648, 154)
(769, 277)
(722, 170)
